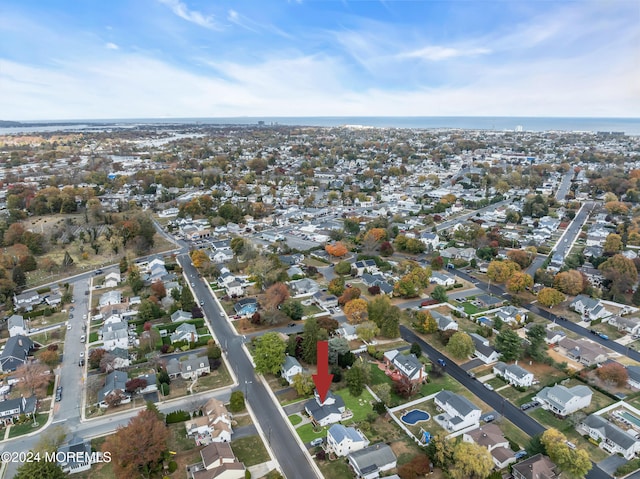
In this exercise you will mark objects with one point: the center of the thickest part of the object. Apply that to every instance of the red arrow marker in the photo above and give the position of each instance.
(323, 379)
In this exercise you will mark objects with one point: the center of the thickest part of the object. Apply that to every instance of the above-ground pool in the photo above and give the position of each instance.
(415, 416)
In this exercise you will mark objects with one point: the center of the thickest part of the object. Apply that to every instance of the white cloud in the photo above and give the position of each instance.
(111, 46)
(437, 53)
(193, 16)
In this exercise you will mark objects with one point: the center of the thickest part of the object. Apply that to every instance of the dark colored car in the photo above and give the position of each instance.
(442, 362)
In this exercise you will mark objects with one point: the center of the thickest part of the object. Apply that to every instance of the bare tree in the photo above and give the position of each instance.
(34, 378)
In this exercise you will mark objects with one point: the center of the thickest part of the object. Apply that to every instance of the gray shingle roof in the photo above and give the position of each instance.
(610, 431)
(340, 433)
(457, 402)
(373, 457)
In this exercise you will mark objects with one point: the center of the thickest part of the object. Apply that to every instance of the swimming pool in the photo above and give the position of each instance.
(630, 417)
(415, 416)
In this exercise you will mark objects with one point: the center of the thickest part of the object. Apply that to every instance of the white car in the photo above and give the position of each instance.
(68, 326)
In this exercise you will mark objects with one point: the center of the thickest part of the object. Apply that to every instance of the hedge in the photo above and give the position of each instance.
(177, 416)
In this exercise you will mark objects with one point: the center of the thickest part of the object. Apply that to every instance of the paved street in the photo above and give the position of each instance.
(465, 216)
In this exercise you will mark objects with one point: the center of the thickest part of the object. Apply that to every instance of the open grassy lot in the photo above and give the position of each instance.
(310, 309)
(566, 427)
(216, 379)
(514, 433)
(250, 450)
(437, 384)
(338, 469)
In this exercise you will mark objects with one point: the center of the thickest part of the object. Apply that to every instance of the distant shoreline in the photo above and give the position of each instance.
(628, 126)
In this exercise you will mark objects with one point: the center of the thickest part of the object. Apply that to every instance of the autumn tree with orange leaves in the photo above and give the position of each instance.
(356, 311)
(337, 249)
(275, 295)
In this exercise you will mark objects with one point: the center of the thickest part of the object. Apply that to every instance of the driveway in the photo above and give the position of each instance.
(474, 363)
(611, 463)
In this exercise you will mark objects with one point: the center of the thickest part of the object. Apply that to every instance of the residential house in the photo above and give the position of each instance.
(488, 301)
(458, 411)
(290, 368)
(218, 462)
(408, 365)
(484, 351)
(234, 288)
(185, 332)
(15, 353)
(330, 411)
(512, 315)
(514, 374)
(16, 325)
(304, 286)
(348, 332)
(554, 336)
(114, 335)
(634, 376)
(325, 300)
(53, 299)
(365, 266)
(628, 325)
(11, 409)
(180, 315)
(112, 279)
(584, 351)
(563, 401)
(213, 426)
(76, 457)
(343, 440)
(369, 462)
(109, 298)
(225, 277)
(444, 321)
(190, 368)
(114, 385)
(536, 467)
(491, 437)
(589, 308)
(27, 300)
(152, 383)
(430, 240)
(442, 279)
(246, 306)
(612, 438)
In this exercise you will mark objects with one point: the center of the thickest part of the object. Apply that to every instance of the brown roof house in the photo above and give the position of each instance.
(491, 437)
(213, 426)
(536, 467)
(218, 462)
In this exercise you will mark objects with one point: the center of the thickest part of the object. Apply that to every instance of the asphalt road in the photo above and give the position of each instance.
(292, 460)
(565, 184)
(492, 398)
(465, 216)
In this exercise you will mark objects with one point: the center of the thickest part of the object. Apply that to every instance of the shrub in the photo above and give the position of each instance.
(173, 467)
(236, 403)
(177, 416)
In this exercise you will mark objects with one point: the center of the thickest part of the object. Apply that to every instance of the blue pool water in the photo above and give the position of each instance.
(630, 417)
(415, 416)
(483, 319)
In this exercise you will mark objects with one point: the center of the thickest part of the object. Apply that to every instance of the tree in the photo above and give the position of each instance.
(213, 350)
(501, 271)
(386, 249)
(33, 379)
(303, 384)
(522, 257)
(519, 281)
(293, 308)
(18, 276)
(622, 273)
(51, 439)
(336, 286)
(355, 381)
(311, 335)
(342, 268)
(574, 462)
(537, 346)
(135, 385)
(236, 402)
(509, 344)
(383, 391)
(470, 461)
(460, 345)
(275, 295)
(356, 311)
(49, 357)
(41, 469)
(348, 295)
(138, 448)
(158, 289)
(426, 322)
(199, 258)
(385, 315)
(367, 331)
(338, 249)
(95, 356)
(416, 350)
(550, 297)
(569, 282)
(613, 244)
(440, 294)
(269, 353)
(613, 373)
(337, 346)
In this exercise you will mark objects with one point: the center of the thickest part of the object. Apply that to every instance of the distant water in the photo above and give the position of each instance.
(630, 126)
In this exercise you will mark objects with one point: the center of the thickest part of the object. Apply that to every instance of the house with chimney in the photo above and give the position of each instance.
(342, 440)
(331, 411)
(369, 462)
(610, 437)
(536, 467)
(15, 353)
(213, 426)
(185, 332)
(191, 367)
(563, 401)
(484, 351)
(11, 409)
(514, 374)
(218, 462)
(491, 437)
(457, 411)
(407, 365)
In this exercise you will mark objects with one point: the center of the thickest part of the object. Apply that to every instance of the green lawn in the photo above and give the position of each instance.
(438, 384)
(307, 434)
(27, 427)
(378, 376)
(514, 433)
(469, 308)
(93, 337)
(360, 406)
(295, 419)
(335, 469)
(250, 450)
(311, 309)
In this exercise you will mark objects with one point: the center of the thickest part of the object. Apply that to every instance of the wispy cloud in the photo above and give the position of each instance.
(193, 16)
(438, 53)
(111, 46)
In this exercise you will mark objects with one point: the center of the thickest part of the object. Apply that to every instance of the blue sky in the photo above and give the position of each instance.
(73, 59)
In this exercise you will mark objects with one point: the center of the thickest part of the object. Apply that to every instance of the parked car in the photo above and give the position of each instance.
(471, 374)
(520, 454)
(59, 394)
(488, 386)
(98, 271)
(525, 406)
(442, 362)
(317, 441)
(603, 336)
(291, 325)
(489, 418)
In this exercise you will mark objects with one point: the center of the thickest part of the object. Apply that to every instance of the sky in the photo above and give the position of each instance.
(94, 59)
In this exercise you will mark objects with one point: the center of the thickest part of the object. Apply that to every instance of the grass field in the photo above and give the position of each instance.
(335, 469)
(250, 450)
(295, 419)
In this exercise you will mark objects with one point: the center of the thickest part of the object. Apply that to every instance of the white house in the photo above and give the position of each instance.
(343, 440)
(16, 325)
(235, 288)
(484, 351)
(325, 300)
(430, 240)
(589, 308)
(458, 412)
(114, 335)
(369, 462)
(348, 332)
(366, 266)
(112, 297)
(513, 374)
(191, 368)
(112, 279)
(185, 332)
(179, 315)
(408, 365)
(213, 426)
(442, 279)
(612, 438)
(290, 368)
(444, 322)
(491, 437)
(330, 411)
(218, 462)
(511, 314)
(563, 401)
(77, 457)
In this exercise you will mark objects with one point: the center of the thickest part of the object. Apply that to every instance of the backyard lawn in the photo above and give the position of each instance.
(250, 450)
(307, 434)
(335, 469)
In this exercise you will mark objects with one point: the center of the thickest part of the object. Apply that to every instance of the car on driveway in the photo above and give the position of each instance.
(520, 454)
(526, 406)
(317, 441)
(489, 418)
(81, 355)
